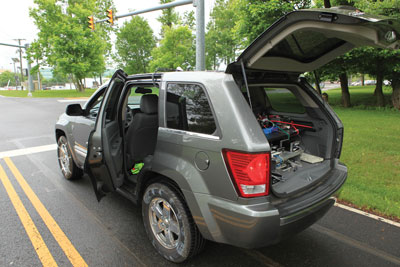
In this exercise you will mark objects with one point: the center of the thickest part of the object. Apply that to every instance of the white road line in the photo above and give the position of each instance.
(26, 151)
(71, 100)
(372, 216)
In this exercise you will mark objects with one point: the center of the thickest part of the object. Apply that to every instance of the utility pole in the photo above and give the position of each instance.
(200, 35)
(29, 66)
(20, 60)
(38, 75)
(30, 79)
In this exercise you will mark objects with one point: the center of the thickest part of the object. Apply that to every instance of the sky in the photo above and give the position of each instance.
(15, 23)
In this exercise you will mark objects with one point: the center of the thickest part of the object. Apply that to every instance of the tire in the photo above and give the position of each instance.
(169, 223)
(67, 165)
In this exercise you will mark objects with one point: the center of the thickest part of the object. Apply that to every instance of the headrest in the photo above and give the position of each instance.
(149, 104)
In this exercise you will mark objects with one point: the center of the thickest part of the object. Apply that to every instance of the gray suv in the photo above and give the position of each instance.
(245, 157)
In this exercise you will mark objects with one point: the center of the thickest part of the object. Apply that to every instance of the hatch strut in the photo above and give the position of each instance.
(245, 82)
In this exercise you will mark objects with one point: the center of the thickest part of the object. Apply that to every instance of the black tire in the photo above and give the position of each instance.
(184, 245)
(67, 165)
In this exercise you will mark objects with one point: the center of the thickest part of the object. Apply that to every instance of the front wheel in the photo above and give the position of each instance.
(67, 165)
(169, 224)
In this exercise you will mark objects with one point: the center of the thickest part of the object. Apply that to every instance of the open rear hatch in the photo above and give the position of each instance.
(305, 40)
(299, 42)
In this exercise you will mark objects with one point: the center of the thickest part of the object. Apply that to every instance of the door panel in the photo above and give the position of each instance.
(104, 162)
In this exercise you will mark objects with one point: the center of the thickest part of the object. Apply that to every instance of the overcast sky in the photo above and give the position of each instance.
(15, 23)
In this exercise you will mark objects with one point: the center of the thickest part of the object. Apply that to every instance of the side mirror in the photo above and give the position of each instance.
(74, 110)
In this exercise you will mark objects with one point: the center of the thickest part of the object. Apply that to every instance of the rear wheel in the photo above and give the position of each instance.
(169, 224)
(65, 160)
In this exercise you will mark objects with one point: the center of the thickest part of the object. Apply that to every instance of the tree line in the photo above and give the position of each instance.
(71, 48)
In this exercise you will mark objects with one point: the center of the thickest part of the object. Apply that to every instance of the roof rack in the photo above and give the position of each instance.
(146, 76)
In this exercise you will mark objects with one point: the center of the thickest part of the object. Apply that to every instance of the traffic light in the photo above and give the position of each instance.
(110, 16)
(91, 22)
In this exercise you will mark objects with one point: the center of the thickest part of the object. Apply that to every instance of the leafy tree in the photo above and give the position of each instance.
(387, 62)
(176, 49)
(221, 37)
(340, 67)
(211, 40)
(168, 18)
(5, 77)
(256, 16)
(64, 40)
(134, 43)
(189, 20)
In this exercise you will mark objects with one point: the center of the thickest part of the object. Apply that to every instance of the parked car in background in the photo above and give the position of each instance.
(245, 157)
(370, 82)
(357, 83)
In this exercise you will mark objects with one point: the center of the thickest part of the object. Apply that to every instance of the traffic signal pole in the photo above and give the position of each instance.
(200, 35)
(200, 24)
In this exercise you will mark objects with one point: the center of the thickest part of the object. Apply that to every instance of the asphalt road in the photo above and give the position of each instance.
(72, 228)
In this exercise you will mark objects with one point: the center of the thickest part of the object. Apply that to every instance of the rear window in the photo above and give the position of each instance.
(188, 109)
(283, 100)
(134, 98)
(265, 99)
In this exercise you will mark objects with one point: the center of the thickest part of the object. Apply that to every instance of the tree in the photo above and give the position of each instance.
(211, 40)
(7, 78)
(176, 49)
(64, 40)
(387, 62)
(189, 20)
(168, 18)
(221, 37)
(256, 16)
(134, 43)
(339, 68)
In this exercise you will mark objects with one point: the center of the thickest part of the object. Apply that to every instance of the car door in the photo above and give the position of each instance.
(104, 162)
(83, 125)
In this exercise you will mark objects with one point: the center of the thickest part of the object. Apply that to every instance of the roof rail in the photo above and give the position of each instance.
(150, 76)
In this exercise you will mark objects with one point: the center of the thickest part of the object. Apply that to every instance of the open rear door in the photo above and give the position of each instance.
(305, 40)
(104, 161)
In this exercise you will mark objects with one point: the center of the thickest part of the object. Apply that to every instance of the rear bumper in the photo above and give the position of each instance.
(265, 223)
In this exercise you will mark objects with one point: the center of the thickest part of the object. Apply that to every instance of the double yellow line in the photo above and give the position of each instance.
(37, 241)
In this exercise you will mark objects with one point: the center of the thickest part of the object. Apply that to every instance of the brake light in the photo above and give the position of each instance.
(249, 172)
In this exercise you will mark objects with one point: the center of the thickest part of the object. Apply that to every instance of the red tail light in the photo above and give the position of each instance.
(249, 172)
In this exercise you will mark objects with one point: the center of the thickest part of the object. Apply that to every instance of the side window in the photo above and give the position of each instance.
(95, 105)
(112, 99)
(283, 100)
(188, 109)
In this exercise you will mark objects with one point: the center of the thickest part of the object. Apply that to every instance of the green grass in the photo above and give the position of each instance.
(49, 93)
(371, 151)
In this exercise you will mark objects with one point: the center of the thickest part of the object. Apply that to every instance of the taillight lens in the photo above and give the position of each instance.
(249, 172)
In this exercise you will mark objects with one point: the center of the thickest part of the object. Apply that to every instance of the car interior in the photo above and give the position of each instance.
(298, 131)
(140, 124)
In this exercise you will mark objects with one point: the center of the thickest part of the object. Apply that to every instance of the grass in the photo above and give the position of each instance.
(371, 151)
(361, 97)
(49, 93)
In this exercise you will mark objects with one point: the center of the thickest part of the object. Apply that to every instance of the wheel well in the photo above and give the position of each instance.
(152, 177)
(59, 133)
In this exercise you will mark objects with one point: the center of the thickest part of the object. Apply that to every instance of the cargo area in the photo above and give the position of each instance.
(300, 135)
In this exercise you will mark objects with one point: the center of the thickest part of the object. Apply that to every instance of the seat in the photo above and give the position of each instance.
(141, 137)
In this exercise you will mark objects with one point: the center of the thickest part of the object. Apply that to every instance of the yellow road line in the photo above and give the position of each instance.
(37, 241)
(72, 254)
